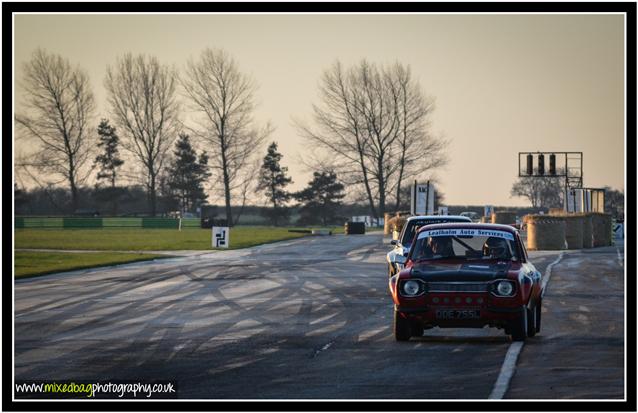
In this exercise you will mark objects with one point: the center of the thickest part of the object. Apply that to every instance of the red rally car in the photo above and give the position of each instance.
(467, 275)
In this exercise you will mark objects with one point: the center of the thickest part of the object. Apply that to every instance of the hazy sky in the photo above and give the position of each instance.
(502, 83)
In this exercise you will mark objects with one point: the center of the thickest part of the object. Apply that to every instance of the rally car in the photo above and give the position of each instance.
(402, 244)
(467, 275)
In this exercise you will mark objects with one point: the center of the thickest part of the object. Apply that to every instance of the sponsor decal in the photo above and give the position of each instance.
(466, 233)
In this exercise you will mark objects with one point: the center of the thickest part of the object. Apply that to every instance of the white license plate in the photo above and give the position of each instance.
(458, 314)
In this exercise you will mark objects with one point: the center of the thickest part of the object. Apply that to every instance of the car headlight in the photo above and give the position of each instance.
(505, 288)
(411, 288)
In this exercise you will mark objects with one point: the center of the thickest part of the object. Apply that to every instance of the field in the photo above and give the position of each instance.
(127, 239)
(29, 263)
(122, 245)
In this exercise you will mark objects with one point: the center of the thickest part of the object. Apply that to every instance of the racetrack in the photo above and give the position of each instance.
(309, 319)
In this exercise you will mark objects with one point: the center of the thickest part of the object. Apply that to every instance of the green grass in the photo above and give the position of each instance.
(32, 263)
(138, 239)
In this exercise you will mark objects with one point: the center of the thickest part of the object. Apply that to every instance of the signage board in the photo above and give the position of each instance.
(422, 202)
(488, 210)
(221, 237)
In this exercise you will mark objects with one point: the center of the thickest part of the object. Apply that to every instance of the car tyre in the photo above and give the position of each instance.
(519, 326)
(402, 330)
(538, 316)
(416, 329)
(531, 321)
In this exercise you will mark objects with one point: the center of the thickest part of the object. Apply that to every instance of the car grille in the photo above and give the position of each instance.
(447, 287)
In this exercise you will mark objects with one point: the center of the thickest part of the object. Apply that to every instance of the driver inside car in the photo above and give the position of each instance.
(441, 247)
(496, 248)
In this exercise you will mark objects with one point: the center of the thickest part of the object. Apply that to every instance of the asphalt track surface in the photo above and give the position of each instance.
(310, 319)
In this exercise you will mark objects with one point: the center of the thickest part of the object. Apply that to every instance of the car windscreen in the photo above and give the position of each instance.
(465, 244)
(411, 227)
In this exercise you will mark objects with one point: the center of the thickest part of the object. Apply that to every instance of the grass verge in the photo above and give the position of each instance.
(142, 239)
(33, 263)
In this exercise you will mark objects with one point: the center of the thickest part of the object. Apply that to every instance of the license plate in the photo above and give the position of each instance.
(458, 314)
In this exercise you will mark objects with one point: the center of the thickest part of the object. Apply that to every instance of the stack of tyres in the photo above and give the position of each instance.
(355, 228)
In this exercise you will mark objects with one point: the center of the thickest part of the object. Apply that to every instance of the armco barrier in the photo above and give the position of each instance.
(41, 223)
(159, 223)
(120, 222)
(82, 222)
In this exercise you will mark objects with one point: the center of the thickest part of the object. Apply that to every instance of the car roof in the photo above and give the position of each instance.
(433, 217)
(494, 227)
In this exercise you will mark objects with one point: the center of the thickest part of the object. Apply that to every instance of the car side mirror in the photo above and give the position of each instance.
(393, 242)
(399, 259)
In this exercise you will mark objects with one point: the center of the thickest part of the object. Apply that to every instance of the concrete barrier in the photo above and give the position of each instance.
(601, 229)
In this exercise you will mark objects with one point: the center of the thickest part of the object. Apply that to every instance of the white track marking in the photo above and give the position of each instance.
(548, 271)
(620, 258)
(509, 364)
(507, 370)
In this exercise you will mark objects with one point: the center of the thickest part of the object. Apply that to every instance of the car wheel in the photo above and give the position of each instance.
(401, 327)
(416, 330)
(538, 316)
(531, 321)
(519, 326)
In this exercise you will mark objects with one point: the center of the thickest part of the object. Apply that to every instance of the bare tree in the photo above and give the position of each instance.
(341, 130)
(141, 92)
(541, 191)
(59, 108)
(373, 124)
(416, 150)
(223, 98)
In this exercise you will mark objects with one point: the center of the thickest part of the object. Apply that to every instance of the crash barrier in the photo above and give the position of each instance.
(117, 222)
(573, 227)
(354, 228)
(545, 232)
(503, 217)
(574, 231)
(601, 229)
(321, 232)
(588, 232)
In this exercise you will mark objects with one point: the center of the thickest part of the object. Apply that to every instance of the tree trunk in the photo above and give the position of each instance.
(152, 195)
(74, 195)
(74, 189)
(229, 213)
(381, 187)
(114, 196)
(367, 184)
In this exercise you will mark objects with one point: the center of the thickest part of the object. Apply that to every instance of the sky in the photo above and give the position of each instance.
(502, 84)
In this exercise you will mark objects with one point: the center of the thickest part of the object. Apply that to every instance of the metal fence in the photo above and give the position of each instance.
(73, 222)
